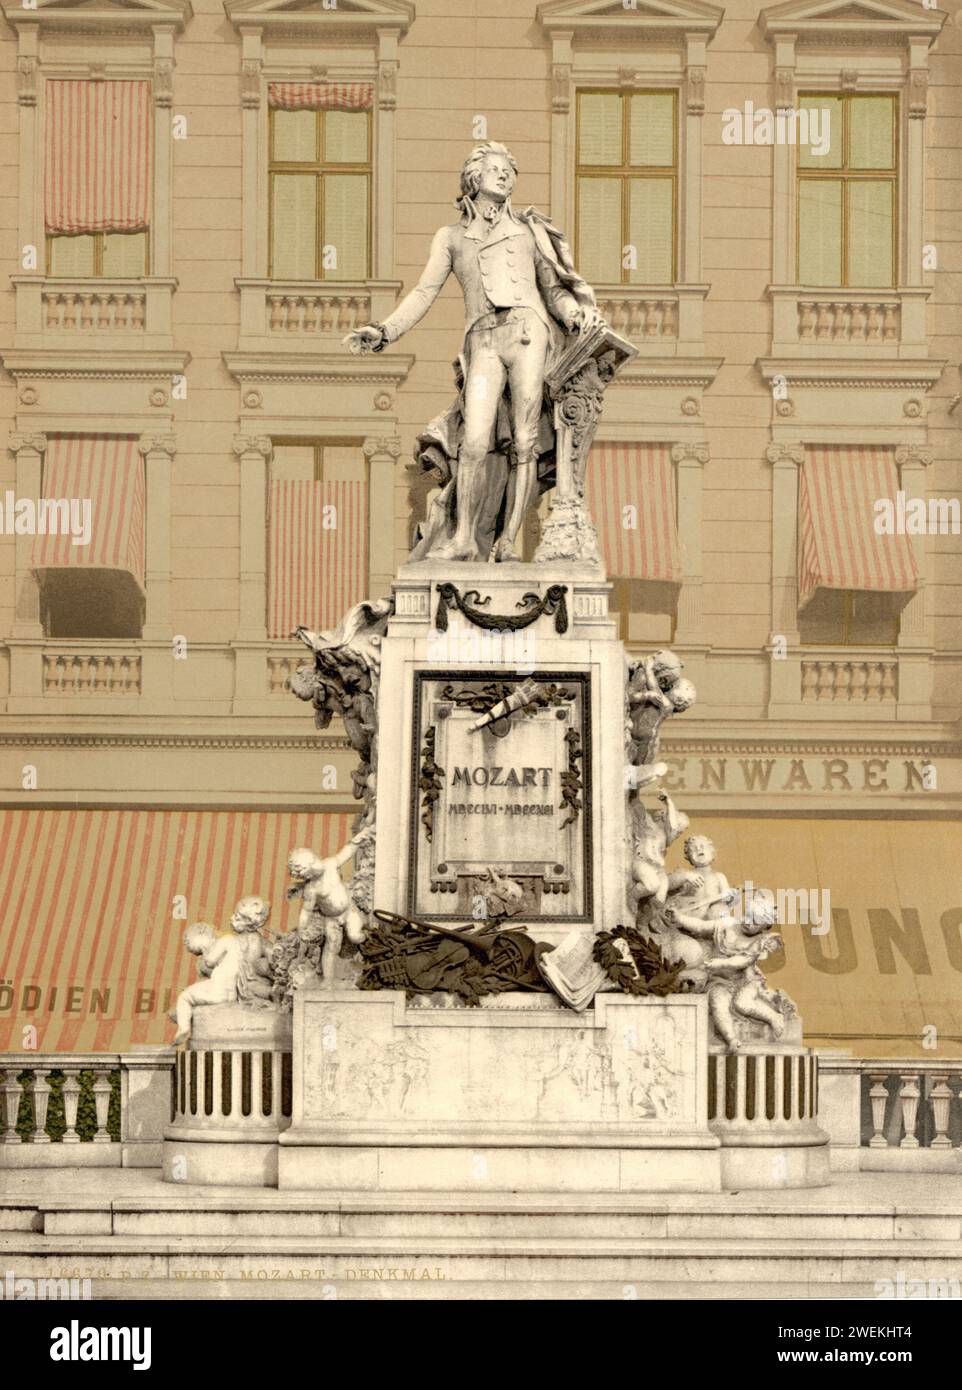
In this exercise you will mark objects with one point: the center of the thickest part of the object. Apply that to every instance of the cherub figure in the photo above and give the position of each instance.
(328, 910)
(652, 834)
(733, 980)
(234, 966)
(700, 891)
(656, 690)
(498, 895)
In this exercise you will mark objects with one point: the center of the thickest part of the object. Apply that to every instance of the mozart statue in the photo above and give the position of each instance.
(494, 449)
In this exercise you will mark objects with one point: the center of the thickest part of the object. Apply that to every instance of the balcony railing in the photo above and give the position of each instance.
(657, 318)
(849, 680)
(61, 310)
(84, 1109)
(84, 672)
(848, 322)
(277, 311)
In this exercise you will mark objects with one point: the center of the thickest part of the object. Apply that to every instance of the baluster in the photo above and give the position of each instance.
(71, 1099)
(889, 324)
(275, 307)
(878, 1095)
(826, 680)
(872, 322)
(310, 313)
(823, 323)
(651, 318)
(12, 1092)
(101, 674)
(290, 312)
(809, 680)
(327, 313)
(889, 676)
(857, 691)
(41, 1101)
(873, 688)
(86, 318)
(51, 312)
(806, 320)
(69, 311)
(838, 321)
(102, 1091)
(941, 1098)
(856, 329)
(843, 680)
(669, 319)
(909, 1100)
(103, 311)
(138, 311)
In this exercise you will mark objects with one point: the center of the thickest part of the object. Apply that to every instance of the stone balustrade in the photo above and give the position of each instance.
(279, 672)
(865, 319)
(84, 1109)
(639, 315)
(318, 310)
(912, 1108)
(69, 672)
(106, 308)
(845, 680)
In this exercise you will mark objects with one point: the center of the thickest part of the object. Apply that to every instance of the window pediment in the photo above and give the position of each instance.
(113, 16)
(651, 18)
(870, 21)
(349, 17)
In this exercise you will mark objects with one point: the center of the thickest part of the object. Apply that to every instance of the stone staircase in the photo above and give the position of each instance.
(144, 1238)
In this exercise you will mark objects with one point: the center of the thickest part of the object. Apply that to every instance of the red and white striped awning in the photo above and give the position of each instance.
(104, 923)
(108, 471)
(630, 491)
(98, 156)
(318, 553)
(839, 547)
(321, 96)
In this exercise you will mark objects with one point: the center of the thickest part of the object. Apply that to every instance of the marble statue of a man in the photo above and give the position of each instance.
(494, 448)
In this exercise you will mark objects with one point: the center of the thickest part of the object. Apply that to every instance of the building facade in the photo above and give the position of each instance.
(202, 199)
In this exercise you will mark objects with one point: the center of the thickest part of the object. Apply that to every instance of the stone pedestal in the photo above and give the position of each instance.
(520, 1095)
(539, 796)
(232, 1098)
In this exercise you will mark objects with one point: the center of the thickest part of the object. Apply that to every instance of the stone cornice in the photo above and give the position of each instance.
(309, 742)
(844, 373)
(391, 370)
(282, 19)
(136, 363)
(599, 19)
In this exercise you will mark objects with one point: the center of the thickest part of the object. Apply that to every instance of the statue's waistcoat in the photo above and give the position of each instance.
(497, 272)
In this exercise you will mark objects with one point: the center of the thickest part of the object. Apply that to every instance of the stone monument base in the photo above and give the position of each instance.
(519, 1095)
(231, 1098)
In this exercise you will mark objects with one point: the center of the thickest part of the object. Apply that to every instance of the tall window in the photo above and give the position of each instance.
(848, 196)
(626, 187)
(97, 175)
(320, 192)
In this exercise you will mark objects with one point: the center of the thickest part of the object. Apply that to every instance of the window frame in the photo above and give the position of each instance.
(626, 171)
(320, 169)
(98, 270)
(845, 176)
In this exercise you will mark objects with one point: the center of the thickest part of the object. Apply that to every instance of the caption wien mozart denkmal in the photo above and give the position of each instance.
(513, 992)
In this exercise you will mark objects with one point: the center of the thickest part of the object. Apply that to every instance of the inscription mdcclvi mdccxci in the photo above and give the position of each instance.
(500, 783)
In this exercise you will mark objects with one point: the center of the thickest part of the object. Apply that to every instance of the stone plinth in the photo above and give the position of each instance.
(519, 1095)
(232, 1097)
(539, 796)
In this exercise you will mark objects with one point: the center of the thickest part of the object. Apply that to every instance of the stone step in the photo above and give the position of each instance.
(547, 1260)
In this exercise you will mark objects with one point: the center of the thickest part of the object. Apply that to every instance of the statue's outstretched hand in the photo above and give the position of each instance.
(366, 339)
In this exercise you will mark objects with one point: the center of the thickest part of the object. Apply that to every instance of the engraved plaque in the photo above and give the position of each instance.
(501, 787)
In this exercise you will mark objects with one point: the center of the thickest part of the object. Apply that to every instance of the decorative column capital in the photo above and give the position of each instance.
(695, 90)
(387, 70)
(784, 89)
(259, 444)
(690, 453)
(27, 443)
(251, 83)
(164, 82)
(383, 445)
(918, 93)
(26, 80)
(157, 444)
(561, 88)
(785, 453)
(913, 454)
